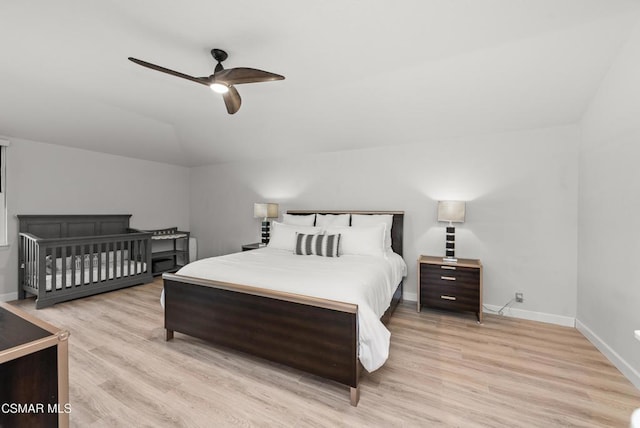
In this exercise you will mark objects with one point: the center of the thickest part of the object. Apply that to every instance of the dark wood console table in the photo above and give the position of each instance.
(34, 371)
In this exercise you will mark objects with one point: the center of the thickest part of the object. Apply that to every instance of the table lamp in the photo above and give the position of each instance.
(451, 212)
(265, 212)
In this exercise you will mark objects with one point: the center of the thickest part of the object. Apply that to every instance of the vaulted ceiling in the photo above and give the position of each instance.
(359, 73)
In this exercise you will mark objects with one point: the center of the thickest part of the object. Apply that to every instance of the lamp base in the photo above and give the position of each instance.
(265, 231)
(450, 259)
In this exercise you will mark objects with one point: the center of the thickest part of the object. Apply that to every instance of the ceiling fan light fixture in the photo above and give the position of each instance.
(219, 88)
(222, 81)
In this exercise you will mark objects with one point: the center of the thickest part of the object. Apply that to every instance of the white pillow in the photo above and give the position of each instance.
(299, 220)
(361, 241)
(283, 236)
(358, 220)
(332, 220)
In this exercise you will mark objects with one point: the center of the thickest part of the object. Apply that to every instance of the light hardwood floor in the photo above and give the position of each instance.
(443, 370)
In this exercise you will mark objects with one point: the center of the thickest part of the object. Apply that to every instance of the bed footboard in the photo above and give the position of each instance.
(314, 335)
(61, 269)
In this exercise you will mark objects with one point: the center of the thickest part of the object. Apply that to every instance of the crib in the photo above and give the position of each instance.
(65, 257)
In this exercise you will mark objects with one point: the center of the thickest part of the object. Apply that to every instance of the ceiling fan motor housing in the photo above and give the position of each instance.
(219, 55)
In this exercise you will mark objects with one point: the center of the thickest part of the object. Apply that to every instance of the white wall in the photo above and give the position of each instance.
(521, 214)
(609, 202)
(49, 179)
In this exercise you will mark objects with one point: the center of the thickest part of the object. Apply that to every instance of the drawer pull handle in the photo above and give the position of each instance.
(448, 278)
(448, 297)
(448, 267)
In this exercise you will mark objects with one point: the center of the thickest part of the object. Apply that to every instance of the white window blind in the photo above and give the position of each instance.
(3, 190)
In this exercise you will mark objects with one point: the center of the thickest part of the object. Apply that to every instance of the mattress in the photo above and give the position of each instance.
(106, 271)
(366, 281)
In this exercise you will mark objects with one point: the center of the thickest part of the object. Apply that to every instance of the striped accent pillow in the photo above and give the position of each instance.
(317, 245)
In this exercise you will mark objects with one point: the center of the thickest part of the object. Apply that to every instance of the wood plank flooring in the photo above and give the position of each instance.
(444, 370)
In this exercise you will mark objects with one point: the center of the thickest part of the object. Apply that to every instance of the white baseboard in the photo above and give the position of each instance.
(411, 297)
(626, 369)
(562, 320)
(517, 313)
(7, 297)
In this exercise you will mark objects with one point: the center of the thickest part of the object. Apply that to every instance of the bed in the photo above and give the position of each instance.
(65, 257)
(315, 334)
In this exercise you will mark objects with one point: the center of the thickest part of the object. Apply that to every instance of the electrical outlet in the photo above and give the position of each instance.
(519, 297)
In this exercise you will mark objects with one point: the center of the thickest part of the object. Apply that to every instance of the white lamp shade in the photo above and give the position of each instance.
(265, 210)
(451, 211)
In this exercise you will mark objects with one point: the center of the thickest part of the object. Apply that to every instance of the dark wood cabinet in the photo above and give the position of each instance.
(455, 286)
(34, 371)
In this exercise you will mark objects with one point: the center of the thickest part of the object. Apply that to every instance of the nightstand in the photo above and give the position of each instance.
(254, 246)
(453, 286)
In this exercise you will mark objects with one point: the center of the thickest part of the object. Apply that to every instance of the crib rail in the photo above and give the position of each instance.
(55, 269)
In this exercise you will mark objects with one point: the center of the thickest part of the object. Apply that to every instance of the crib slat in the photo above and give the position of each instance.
(127, 262)
(95, 263)
(135, 265)
(132, 257)
(114, 267)
(91, 276)
(34, 262)
(101, 250)
(108, 268)
(35, 257)
(23, 258)
(108, 263)
(54, 271)
(122, 256)
(97, 260)
(63, 259)
(80, 265)
(28, 261)
(73, 266)
(147, 247)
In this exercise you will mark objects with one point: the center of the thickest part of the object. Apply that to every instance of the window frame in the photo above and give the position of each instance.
(4, 240)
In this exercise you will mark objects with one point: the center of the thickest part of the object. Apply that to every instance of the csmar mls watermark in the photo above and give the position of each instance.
(14, 408)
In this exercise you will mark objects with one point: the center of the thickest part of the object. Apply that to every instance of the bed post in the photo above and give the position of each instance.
(168, 335)
(22, 260)
(355, 395)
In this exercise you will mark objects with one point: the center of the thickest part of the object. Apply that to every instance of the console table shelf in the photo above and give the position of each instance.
(170, 250)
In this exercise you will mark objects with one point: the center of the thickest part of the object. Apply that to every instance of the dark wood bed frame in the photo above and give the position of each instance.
(315, 335)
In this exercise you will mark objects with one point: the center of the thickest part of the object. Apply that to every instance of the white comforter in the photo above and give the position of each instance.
(366, 281)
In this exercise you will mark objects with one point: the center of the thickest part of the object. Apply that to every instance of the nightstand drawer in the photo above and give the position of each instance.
(460, 276)
(458, 298)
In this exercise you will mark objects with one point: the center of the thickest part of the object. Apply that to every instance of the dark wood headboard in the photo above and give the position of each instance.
(48, 226)
(397, 226)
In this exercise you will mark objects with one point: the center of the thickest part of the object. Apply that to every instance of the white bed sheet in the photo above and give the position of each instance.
(367, 281)
(133, 267)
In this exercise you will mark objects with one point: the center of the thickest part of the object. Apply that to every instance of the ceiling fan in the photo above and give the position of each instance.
(222, 81)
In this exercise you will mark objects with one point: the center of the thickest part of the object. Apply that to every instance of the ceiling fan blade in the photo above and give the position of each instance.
(236, 76)
(232, 100)
(201, 80)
